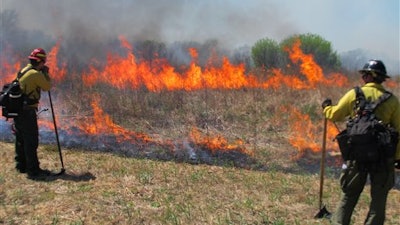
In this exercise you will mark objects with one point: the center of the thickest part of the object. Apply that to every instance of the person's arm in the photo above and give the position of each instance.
(44, 81)
(343, 109)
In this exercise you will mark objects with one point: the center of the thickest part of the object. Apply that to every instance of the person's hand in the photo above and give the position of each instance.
(397, 164)
(326, 102)
(45, 70)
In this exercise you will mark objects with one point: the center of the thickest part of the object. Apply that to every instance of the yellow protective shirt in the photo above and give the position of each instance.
(388, 111)
(33, 82)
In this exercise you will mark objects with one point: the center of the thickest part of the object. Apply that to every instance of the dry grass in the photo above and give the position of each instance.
(101, 188)
(105, 188)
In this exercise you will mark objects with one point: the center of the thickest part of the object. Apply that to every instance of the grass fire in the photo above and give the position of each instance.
(147, 142)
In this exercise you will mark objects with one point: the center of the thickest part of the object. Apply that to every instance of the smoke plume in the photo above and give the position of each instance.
(161, 20)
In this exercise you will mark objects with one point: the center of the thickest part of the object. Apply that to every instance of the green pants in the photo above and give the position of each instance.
(26, 141)
(352, 181)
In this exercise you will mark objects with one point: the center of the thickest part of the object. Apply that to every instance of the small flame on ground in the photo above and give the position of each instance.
(102, 124)
(217, 143)
(305, 135)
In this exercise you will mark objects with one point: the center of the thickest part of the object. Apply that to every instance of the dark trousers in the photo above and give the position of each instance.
(27, 141)
(353, 180)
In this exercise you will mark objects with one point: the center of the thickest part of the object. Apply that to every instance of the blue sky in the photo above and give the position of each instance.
(368, 24)
(348, 24)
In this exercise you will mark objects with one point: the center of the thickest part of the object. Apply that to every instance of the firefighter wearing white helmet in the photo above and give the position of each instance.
(354, 175)
(34, 80)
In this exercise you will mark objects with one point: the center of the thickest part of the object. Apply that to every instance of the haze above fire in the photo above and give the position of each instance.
(366, 24)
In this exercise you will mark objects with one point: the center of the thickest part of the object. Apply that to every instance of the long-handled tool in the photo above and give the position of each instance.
(323, 212)
(58, 141)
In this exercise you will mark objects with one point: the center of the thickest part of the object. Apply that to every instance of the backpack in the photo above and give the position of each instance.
(366, 139)
(11, 98)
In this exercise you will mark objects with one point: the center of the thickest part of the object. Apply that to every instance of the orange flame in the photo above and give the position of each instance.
(101, 123)
(217, 143)
(57, 72)
(313, 74)
(9, 72)
(127, 72)
(305, 135)
(391, 83)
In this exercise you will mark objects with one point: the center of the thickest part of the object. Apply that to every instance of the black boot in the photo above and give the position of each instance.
(38, 174)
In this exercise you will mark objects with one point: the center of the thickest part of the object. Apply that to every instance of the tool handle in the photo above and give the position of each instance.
(55, 129)
(323, 152)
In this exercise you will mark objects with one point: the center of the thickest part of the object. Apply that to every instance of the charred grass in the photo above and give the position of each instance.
(278, 186)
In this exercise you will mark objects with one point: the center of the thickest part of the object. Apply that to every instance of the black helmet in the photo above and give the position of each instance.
(376, 67)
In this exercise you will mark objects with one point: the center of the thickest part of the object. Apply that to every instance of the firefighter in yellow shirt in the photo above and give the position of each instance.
(34, 80)
(353, 179)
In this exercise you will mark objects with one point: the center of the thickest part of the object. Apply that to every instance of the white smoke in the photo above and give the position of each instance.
(163, 20)
(360, 24)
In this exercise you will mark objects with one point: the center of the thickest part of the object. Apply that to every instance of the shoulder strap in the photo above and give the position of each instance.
(385, 96)
(361, 101)
(22, 73)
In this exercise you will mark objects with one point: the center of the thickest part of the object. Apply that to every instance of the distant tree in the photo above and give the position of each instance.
(266, 53)
(320, 48)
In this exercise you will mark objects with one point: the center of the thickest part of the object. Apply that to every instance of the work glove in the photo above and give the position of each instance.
(326, 102)
(397, 164)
